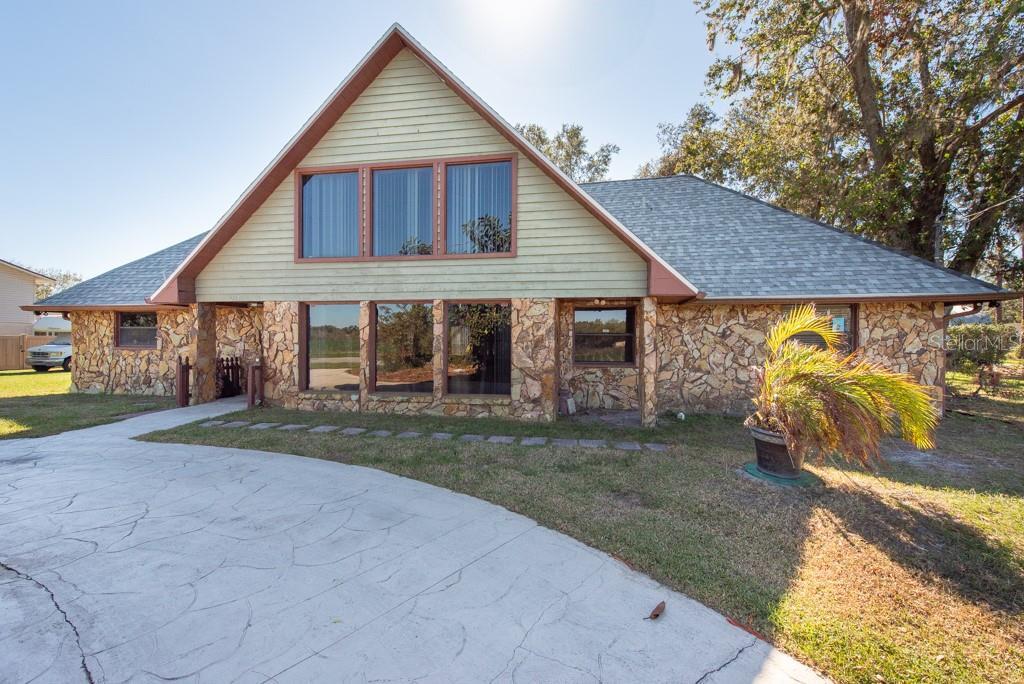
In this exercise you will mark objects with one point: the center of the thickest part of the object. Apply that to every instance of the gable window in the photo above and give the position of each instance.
(844, 321)
(333, 347)
(136, 330)
(479, 349)
(604, 336)
(330, 214)
(403, 348)
(403, 211)
(478, 208)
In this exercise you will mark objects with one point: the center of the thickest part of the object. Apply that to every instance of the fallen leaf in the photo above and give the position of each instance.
(656, 613)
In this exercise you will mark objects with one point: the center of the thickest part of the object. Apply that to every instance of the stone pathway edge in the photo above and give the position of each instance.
(500, 440)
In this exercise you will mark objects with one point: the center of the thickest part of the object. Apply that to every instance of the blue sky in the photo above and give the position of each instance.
(129, 126)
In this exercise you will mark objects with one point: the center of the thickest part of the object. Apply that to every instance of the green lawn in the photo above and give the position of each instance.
(912, 574)
(37, 404)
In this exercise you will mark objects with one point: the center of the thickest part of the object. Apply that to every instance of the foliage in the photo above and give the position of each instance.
(976, 344)
(568, 150)
(64, 280)
(405, 334)
(488, 234)
(825, 402)
(413, 246)
(900, 120)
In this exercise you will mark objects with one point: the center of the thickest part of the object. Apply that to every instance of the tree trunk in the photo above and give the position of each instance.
(857, 18)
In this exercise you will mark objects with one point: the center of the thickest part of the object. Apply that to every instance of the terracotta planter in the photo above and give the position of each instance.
(773, 457)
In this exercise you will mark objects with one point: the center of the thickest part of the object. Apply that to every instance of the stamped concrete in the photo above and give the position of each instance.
(124, 560)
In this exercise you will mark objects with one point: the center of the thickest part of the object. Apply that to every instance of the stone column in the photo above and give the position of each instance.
(366, 356)
(649, 364)
(534, 365)
(280, 352)
(440, 378)
(204, 386)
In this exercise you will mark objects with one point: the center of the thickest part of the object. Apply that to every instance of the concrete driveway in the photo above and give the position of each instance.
(123, 560)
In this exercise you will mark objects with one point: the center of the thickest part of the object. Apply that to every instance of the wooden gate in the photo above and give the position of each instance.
(14, 348)
(229, 377)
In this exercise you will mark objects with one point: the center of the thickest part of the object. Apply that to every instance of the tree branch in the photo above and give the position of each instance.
(956, 141)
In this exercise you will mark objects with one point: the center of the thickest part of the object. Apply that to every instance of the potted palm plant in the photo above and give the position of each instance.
(821, 401)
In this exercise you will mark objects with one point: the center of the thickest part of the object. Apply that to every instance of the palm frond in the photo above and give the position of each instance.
(801, 320)
(828, 403)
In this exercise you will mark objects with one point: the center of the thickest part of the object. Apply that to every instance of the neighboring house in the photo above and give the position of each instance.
(408, 251)
(17, 286)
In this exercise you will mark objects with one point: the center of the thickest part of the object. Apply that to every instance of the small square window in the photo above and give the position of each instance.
(136, 330)
(604, 336)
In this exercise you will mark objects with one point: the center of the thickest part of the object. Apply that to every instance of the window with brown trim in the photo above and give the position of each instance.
(478, 208)
(136, 330)
(332, 347)
(604, 336)
(440, 208)
(403, 336)
(329, 214)
(844, 321)
(403, 211)
(479, 350)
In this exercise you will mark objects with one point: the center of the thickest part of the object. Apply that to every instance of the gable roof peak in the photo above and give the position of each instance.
(179, 287)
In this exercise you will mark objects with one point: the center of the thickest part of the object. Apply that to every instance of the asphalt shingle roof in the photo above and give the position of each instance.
(732, 246)
(729, 245)
(129, 284)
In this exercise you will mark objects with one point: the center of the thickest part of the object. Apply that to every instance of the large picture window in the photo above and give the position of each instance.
(604, 336)
(403, 344)
(478, 208)
(330, 215)
(403, 211)
(333, 351)
(136, 330)
(479, 349)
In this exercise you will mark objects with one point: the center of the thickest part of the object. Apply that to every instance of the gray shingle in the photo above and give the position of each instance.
(128, 284)
(733, 246)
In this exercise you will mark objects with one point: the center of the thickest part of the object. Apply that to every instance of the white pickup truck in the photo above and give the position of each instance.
(47, 356)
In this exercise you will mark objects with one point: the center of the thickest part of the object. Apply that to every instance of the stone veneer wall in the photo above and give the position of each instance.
(909, 338)
(705, 351)
(597, 387)
(98, 366)
(533, 393)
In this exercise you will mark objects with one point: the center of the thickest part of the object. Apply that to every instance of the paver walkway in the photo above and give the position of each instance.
(409, 434)
(124, 560)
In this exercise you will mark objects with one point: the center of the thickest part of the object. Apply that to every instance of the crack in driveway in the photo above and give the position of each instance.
(53, 600)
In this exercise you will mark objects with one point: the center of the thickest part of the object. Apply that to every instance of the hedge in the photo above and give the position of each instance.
(973, 344)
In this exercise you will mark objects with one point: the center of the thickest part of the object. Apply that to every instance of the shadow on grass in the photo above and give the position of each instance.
(932, 543)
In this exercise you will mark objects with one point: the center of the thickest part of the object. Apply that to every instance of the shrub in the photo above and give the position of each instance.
(975, 344)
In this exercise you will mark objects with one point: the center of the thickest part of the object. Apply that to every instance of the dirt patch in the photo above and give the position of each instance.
(927, 459)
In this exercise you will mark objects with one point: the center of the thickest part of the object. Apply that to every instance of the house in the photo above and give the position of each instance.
(407, 251)
(17, 286)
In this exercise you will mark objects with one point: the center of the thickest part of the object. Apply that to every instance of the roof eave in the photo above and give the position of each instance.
(65, 308)
(858, 298)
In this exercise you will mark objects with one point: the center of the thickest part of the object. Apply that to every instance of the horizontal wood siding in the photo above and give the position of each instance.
(409, 113)
(16, 289)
